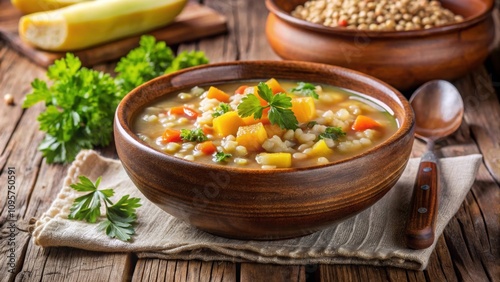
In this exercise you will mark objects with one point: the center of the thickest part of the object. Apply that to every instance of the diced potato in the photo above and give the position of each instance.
(279, 160)
(320, 149)
(251, 136)
(304, 108)
(275, 86)
(227, 124)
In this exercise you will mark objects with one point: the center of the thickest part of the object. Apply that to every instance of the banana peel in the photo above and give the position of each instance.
(87, 24)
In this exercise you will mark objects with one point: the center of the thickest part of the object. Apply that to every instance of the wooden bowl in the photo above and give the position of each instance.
(404, 59)
(263, 204)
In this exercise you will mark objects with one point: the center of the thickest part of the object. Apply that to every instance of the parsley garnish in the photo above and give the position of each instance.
(279, 107)
(81, 102)
(305, 89)
(193, 135)
(120, 217)
(311, 124)
(219, 157)
(187, 59)
(221, 109)
(79, 112)
(333, 133)
(143, 63)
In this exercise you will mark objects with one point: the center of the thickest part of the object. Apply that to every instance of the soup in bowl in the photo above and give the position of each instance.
(264, 149)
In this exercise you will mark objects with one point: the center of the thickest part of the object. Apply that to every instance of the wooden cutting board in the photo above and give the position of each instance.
(195, 21)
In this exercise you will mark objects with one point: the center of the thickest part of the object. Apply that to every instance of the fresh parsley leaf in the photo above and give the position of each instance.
(193, 135)
(80, 106)
(187, 59)
(221, 109)
(220, 157)
(88, 207)
(250, 105)
(265, 92)
(333, 133)
(120, 217)
(283, 117)
(305, 89)
(279, 105)
(143, 63)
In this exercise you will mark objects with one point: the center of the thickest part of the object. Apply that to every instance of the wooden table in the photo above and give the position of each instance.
(467, 251)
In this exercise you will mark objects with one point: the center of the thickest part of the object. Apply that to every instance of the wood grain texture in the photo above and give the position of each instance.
(468, 250)
(419, 231)
(163, 270)
(254, 272)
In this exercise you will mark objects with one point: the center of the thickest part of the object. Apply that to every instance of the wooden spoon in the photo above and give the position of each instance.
(438, 109)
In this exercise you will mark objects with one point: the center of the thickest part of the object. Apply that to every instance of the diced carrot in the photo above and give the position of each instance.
(241, 89)
(207, 147)
(227, 124)
(216, 93)
(171, 135)
(207, 129)
(363, 122)
(274, 129)
(185, 111)
(275, 86)
(264, 119)
(303, 108)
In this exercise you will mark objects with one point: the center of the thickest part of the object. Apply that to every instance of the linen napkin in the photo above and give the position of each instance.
(373, 237)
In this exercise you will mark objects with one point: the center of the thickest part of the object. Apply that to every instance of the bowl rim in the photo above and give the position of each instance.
(122, 116)
(287, 17)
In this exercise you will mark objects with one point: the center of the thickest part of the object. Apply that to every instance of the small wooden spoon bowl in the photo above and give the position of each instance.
(263, 204)
(404, 59)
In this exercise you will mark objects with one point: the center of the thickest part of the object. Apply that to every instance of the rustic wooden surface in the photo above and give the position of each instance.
(468, 250)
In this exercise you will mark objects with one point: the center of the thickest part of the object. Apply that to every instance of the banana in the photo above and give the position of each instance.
(91, 23)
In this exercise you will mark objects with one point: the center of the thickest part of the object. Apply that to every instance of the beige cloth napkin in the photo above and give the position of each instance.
(373, 237)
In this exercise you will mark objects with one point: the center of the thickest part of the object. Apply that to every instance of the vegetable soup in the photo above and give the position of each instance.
(271, 124)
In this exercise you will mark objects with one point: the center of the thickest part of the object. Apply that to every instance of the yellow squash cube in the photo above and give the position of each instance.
(251, 136)
(320, 149)
(227, 124)
(279, 160)
(304, 108)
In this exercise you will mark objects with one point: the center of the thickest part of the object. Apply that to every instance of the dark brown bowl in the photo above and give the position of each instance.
(404, 59)
(263, 204)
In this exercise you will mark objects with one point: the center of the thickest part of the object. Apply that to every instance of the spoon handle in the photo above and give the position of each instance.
(419, 232)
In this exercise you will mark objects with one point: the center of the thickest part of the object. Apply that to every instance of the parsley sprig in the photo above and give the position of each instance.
(221, 109)
(305, 89)
(333, 133)
(81, 102)
(120, 216)
(79, 110)
(193, 135)
(279, 105)
(220, 157)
